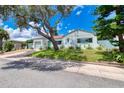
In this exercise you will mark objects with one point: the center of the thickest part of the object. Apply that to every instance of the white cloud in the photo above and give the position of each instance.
(69, 31)
(34, 24)
(17, 34)
(112, 15)
(78, 6)
(79, 12)
(59, 26)
(66, 27)
(20, 39)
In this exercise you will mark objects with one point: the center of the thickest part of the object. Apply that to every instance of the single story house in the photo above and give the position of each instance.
(77, 38)
(18, 45)
(40, 42)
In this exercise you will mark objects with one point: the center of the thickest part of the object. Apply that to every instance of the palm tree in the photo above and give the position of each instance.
(3, 36)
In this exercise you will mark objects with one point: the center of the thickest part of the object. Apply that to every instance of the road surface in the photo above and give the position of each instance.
(29, 78)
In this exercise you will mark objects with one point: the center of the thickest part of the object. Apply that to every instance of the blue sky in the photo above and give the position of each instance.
(80, 18)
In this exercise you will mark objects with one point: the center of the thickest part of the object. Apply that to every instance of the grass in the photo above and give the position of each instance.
(93, 55)
(64, 54)
(89, 55)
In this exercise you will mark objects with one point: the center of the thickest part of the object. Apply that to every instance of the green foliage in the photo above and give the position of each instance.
(3, 35)
(99, 48)
(65, 54)
(82, 55)
(108, 28)
(117, 56)
(78, 48)
(62, 47)
(39, 14)
(8, 46)
(71, 47)
(89, 47)
(41, 48)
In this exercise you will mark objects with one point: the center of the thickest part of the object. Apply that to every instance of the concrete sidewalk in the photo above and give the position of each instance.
(15, 53)
(99, 70)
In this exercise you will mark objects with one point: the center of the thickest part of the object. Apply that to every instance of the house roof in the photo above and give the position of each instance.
(58, 37)
(62, 36)
(78, 30)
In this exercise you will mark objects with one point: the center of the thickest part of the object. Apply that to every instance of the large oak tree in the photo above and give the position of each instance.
(42, 15)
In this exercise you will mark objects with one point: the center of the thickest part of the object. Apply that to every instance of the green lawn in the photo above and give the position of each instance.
(93, 55)
(89, 55)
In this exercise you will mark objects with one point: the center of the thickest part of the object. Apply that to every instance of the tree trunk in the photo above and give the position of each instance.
(121, 40)
(1, 44)
(51, 32)
(120, 35)
(54, 44)
(51, 38)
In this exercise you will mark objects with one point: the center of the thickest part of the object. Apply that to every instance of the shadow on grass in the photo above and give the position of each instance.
(40, 65)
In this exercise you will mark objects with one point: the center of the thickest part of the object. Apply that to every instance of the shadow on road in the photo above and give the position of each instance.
(40, 65)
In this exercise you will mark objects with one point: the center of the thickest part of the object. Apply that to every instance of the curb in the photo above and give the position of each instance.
(111, 64)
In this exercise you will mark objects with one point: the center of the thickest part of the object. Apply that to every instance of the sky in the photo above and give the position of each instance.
(80, 18)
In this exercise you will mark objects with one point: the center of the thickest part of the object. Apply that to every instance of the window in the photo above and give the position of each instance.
(89, 40)
(84, 40)
(78, 40)
(67, 39)
(59, 42)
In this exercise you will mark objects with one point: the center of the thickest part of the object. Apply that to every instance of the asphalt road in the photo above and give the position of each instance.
(28, 78)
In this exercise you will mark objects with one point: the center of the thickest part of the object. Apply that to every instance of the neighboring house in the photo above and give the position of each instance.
(77, 38)
(106, 44)
(81, 39)
(58, 39)
(18, 45)
(40, 42)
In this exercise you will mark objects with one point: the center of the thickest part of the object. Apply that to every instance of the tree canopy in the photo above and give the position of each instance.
(3, 35)
(41, 17)
(108, 26)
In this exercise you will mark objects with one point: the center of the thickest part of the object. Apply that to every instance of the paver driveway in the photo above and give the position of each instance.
(27, 77)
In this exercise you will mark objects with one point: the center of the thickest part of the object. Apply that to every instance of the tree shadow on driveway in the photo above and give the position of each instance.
(40, 65)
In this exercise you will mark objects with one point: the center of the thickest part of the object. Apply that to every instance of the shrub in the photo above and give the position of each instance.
(119, 57)
(78, 48)
(8, 46)
(89, 47)
(71, 47)
(65, 54)
(41, 48)
(99, 48)
(115, 50)
(49, 48)
(62, 47)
